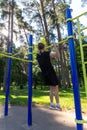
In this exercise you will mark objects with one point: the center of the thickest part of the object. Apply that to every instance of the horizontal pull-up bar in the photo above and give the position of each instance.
(12, 57)
(79, 16)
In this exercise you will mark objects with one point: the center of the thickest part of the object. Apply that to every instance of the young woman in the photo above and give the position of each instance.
(48, 72)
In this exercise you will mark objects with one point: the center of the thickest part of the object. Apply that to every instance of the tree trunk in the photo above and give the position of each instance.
(10, 39)
(42, 24)
(25, 34)
(62, 56)
(8, 43)
(45, 23)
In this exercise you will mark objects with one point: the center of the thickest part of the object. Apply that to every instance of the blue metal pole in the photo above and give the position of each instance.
(30, 82)
(74, 70)
(8, 82)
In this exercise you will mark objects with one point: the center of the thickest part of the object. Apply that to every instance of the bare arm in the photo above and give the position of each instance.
(56, 53)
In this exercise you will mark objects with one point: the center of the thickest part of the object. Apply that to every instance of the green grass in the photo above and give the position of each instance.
(2, 97)
(19, 97)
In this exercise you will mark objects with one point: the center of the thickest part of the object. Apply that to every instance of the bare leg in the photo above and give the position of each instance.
(51, 94)
(56, 93)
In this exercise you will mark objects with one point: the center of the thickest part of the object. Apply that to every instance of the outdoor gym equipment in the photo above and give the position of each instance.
(75, 82)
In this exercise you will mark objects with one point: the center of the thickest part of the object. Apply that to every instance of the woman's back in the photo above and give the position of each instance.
(44, 61)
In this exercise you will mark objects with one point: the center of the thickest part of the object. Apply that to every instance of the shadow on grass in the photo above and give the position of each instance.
(69, 92)
(2, 97)
(19, 96)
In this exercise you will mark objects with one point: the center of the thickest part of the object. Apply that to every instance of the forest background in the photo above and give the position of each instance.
(44, 19)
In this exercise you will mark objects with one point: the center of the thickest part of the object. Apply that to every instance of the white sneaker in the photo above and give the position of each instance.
(58, 108)
(52, 106)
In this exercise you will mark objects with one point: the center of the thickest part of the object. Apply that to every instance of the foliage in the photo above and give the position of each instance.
(17, 73)
(78, 56)
(2, 63)
(29, 19)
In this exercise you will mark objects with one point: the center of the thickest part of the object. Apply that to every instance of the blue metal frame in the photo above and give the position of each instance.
(30, 82)
(74, 70)
(8, 82)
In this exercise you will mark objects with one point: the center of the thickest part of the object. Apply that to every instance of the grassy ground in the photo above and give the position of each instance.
(19, 97)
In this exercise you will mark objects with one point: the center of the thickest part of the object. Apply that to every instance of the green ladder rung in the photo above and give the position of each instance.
(85, 62)
(83, 29)
(84, 45)
(84, 36)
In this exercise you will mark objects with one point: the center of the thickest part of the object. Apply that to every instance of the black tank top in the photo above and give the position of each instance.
(47, 69)
(45, 62)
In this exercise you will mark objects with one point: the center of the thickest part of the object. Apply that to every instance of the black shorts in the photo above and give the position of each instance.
(51, 79)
